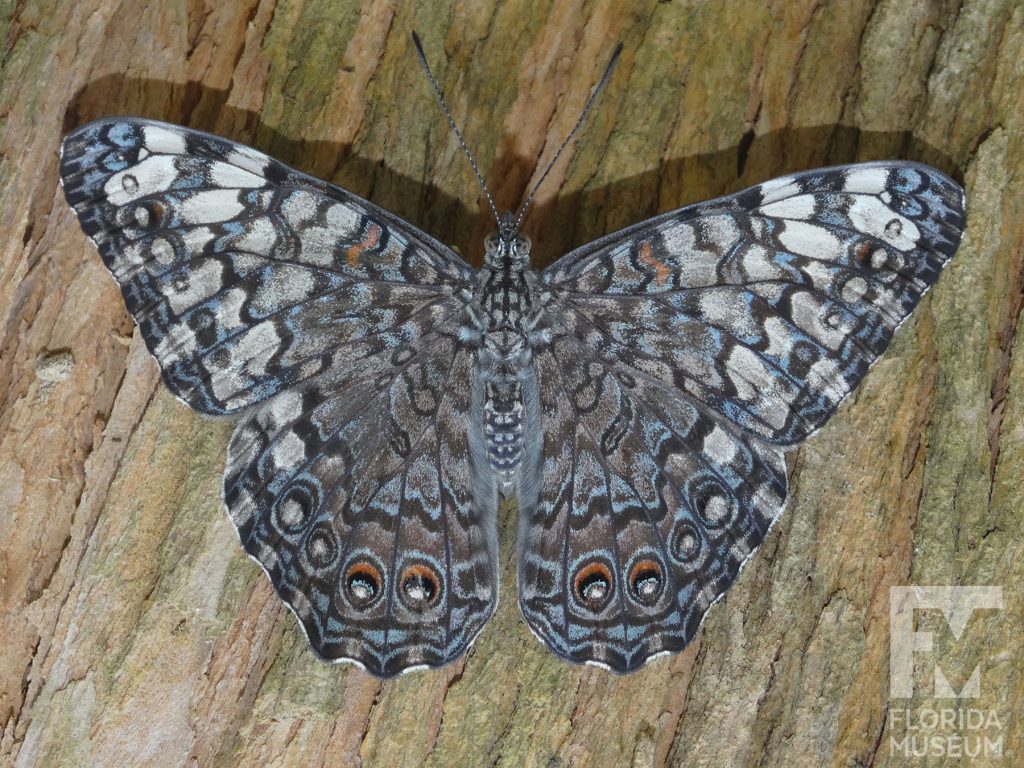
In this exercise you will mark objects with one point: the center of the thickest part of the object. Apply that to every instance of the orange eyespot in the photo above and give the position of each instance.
(661, 272)
(593, 585)
(363, 584)
(420, 586)
(646, 581)
(862, 251)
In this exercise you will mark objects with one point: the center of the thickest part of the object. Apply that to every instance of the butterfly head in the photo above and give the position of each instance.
(507, 247)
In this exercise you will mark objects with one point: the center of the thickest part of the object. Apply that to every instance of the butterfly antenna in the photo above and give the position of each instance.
(586, 108)
(458, 133)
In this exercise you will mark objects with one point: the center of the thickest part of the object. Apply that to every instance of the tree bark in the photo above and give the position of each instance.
(133, 629)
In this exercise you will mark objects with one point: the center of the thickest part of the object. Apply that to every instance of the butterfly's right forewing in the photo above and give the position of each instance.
(770, 305)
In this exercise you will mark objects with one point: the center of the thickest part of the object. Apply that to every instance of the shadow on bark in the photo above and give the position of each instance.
(556, 226)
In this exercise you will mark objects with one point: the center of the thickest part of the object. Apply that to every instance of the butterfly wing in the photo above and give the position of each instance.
(329, 323)
(242, 273)
(361, 495)
(685, 353)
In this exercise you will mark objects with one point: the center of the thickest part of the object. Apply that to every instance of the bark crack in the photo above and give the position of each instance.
(1006, 337)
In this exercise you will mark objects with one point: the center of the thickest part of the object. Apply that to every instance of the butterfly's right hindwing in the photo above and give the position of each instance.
(361, 496)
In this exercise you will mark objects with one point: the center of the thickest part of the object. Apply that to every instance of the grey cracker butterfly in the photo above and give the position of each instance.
(635, 398)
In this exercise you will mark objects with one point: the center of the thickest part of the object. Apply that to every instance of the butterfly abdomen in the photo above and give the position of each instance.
(503, 427)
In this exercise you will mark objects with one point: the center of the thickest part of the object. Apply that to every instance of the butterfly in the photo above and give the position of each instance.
(636, 398)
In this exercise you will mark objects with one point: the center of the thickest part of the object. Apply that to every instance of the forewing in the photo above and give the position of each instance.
(361, 496)
(770, 305)
(245, 276)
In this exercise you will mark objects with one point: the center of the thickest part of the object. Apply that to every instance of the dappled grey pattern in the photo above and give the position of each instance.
(636, 397)
(332, 326)
(681, 356)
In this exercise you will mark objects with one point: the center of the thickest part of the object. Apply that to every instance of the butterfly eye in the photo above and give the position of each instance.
(419, 586)
(593, 585)
(363, 584)
(645, 580)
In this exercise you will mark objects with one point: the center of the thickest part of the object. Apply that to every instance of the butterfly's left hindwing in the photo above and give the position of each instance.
(680, 356)
(648, 506)
(361, 495)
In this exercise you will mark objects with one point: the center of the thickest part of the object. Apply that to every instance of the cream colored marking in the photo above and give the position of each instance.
(162, 251)
(799, 207)
(810, 240)
(870, 215)
(203, 281)
(155, 174)
(248, 159)
(867, 181)
(210, 206)
(288, 450)
(720, 446)
(225, 175)
(854, 290)
(162, 140)
(778, 189)
(291, 513)
(260, 237)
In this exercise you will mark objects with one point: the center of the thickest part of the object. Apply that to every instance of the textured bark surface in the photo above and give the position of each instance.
(134, 631)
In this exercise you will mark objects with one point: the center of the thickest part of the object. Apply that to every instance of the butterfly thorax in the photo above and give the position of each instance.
(504, 312)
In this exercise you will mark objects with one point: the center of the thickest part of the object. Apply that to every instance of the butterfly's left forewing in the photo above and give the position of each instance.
(684, 354)
(243, 274)
(332, 326)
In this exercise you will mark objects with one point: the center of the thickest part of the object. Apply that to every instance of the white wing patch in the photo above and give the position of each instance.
(211, 206)
(161, 141)
(811, 240)
(798, 207)
(871, 216)
(867, 181)
(225, 175)
(154, 174)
